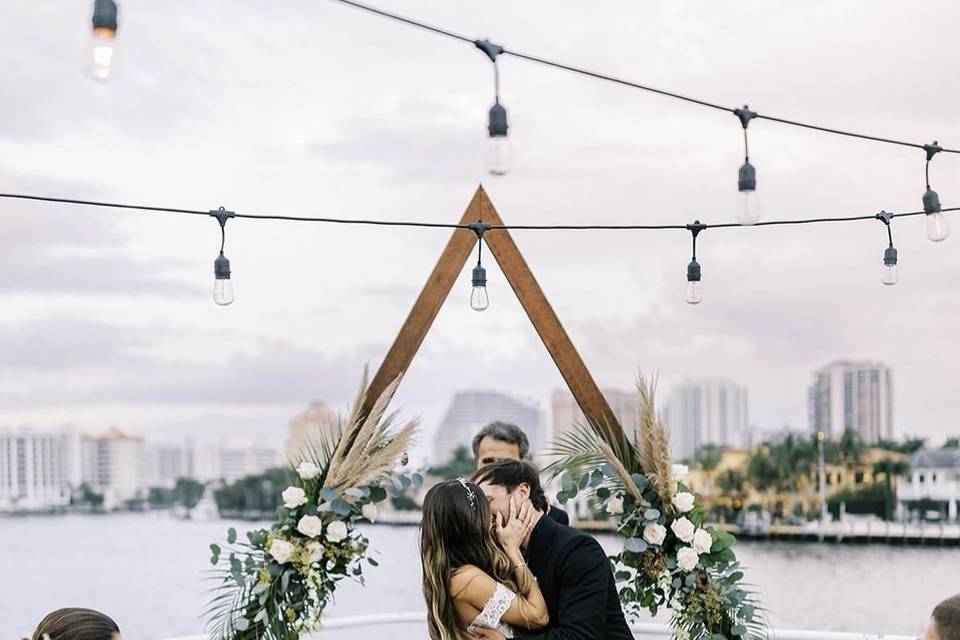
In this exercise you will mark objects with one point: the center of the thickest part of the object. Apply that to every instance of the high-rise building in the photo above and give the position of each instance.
(471, 410)
(305, 429)
(114, 465)
(709, 411)
(35, 468)
(235, 458)
(566, 412)
(168, 462)
(852, 395)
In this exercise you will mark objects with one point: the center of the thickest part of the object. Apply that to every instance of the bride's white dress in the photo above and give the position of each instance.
(493, 610)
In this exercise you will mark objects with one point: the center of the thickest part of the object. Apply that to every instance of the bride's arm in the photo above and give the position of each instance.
(528, 611)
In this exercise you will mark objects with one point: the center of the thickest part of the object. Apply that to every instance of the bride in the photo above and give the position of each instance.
(474, 574)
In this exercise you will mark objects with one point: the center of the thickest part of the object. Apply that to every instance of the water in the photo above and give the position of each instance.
(146, 571)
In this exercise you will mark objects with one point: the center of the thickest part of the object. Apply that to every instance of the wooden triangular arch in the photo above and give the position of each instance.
(448, 268)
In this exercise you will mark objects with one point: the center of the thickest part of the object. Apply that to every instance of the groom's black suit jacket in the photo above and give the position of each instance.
(577, 582)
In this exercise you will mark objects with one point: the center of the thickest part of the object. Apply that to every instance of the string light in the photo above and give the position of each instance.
(499, 154)
(479, 300)
(222, 285)
(104, 37)
(748, 209)
(223, 289)
(694, 283)
(937, 228)
(889, 275)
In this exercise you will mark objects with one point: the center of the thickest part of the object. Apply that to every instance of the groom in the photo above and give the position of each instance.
(571, 568)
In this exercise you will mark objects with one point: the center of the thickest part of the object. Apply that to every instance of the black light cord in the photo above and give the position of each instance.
(447, 225)
(628, 83)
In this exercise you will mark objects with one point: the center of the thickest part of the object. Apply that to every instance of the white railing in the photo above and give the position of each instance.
(641, 631)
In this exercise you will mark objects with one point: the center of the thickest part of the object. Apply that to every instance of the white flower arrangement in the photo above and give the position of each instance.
(276, 585)
(670, 558)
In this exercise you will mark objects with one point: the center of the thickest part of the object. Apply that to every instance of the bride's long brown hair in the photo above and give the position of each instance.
(456, 530)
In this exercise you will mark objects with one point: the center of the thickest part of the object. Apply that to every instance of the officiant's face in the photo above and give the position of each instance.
(492, 450)
(499, 498)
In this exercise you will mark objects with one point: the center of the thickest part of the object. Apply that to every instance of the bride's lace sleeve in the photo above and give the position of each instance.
(495, 607)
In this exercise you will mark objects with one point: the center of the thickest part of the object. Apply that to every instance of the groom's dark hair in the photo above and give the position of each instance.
(510, 474)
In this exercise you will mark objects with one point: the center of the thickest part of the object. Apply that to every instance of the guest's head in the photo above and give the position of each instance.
(502, 480)
(499, 441)
(455, 531)
(945, 621)
(76, 624)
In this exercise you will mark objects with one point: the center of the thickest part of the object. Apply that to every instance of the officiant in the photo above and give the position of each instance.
(504, 441)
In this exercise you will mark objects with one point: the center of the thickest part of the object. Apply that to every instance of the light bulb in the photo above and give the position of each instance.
(890, 275)
(104, 35)
(479, 300)
(694, 284)
(937, 227)
(223, 292)
(499, 156)
(222, 285)
(748, 209)
(102, 46)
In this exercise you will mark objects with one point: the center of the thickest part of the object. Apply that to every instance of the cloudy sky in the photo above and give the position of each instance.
(311, 107)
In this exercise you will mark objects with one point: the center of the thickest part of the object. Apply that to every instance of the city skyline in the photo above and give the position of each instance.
(108, 316)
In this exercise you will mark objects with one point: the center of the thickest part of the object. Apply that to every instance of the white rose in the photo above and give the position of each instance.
(336, 531)
(281, 550)
(293, 497)
(654, 533)
(687, 558)
(615, 506)
(314, 552)
(308, 471)
(310, 526)
(702, 541)
(680, 472)
(683, 529)
(683, 502)
(369, 511)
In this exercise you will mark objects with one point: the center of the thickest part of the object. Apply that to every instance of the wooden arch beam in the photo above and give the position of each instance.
(594, 406)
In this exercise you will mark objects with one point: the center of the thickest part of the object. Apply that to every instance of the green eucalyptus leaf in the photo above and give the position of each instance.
(635, 545)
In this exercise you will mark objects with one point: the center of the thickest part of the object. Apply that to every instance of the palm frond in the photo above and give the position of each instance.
(577, 448)
(583, 446)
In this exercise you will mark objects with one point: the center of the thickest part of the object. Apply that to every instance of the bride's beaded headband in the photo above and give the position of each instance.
(470, 496)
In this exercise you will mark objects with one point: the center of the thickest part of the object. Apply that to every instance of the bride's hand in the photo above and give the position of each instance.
(514, 531)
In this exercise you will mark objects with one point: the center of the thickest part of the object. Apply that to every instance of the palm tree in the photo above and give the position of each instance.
(890, 469)
(707, 459)
(851, 450)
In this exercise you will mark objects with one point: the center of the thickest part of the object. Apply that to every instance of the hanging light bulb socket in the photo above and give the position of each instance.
(931, 200)
(748, 210)
(104, 34)
(479, 299)
(890, 274)
(499, 155)
(105, 17)
(694, 284)
(222, 285)
(937, 227)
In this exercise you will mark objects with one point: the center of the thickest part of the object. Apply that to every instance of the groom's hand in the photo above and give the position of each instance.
(480, 633)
